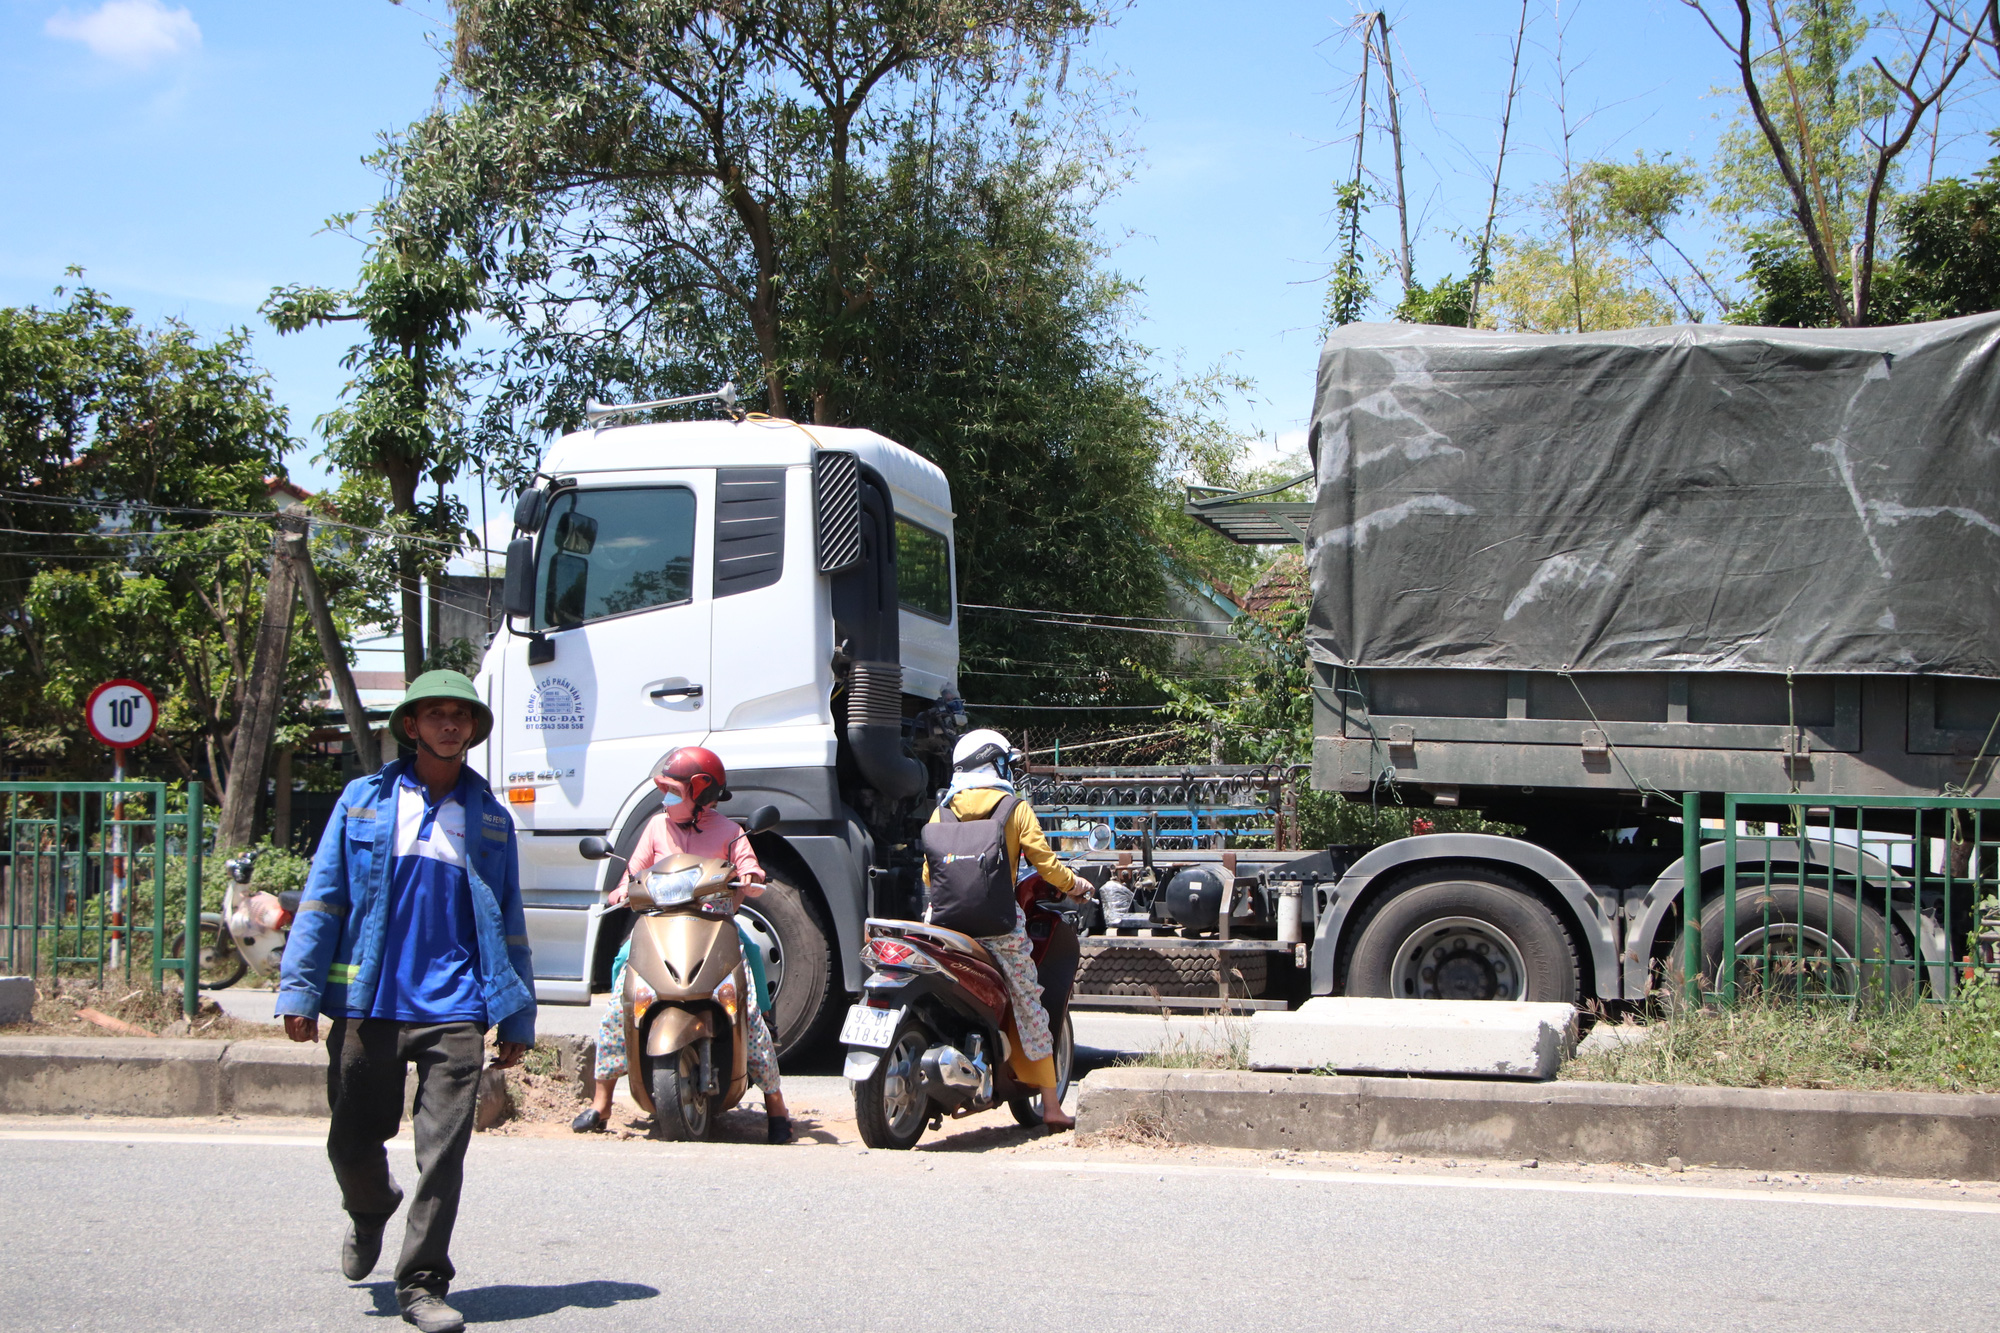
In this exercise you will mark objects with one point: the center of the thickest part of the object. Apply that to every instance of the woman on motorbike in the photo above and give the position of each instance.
(692, 781)
(983, 768)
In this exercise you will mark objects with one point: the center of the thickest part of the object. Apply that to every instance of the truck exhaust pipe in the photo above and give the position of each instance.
(875, 729)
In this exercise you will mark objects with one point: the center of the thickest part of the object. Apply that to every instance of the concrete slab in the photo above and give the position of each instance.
(1484, 1039)
(275, 1078)
(17, 999)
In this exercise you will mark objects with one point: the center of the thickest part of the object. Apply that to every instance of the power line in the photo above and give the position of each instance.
(1093, 615)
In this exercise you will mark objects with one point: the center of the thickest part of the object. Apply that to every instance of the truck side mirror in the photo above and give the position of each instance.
(763, 817)
(517, 591)
(836, 509)
(530, 509)
(593, 849)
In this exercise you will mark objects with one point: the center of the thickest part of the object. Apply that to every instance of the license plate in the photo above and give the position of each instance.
(869, 1027)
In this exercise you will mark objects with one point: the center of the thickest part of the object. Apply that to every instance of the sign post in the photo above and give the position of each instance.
(121, 714)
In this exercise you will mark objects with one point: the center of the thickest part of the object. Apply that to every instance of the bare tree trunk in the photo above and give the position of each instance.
(409, 582)
(250, 753)
(1403, 267)
(1499, 164)
(332, 650)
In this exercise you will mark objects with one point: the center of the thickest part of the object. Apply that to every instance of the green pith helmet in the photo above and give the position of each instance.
(442, 685)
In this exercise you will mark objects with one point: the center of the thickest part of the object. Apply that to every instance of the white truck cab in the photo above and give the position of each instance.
(782, 594)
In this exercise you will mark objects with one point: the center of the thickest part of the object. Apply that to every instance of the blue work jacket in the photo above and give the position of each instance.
(333, 958)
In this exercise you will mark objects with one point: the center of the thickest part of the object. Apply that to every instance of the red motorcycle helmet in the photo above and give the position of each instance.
(698, 770)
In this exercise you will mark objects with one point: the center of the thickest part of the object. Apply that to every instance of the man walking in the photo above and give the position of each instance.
(411, 940)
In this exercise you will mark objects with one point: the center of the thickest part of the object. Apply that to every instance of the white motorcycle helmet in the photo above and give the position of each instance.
(986, 748)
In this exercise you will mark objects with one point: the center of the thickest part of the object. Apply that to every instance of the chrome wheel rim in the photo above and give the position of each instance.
(1459, 958)
(694, 1103)
(902, 1084)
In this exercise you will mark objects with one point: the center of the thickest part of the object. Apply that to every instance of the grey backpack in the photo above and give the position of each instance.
(972, 877)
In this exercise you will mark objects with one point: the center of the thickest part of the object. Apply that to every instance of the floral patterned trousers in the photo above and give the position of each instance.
(1017, 968)
(761, 1058)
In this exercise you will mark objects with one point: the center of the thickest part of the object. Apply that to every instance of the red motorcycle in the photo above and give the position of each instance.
(933, 1034)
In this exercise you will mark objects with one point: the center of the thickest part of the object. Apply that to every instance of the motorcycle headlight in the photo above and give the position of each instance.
(667, 887)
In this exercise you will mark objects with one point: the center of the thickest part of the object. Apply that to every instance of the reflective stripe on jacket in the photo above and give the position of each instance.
(334, 954)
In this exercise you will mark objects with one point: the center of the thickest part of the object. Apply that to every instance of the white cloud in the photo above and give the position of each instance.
(135, 33)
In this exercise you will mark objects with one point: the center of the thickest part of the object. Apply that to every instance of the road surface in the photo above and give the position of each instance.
(205, 1225)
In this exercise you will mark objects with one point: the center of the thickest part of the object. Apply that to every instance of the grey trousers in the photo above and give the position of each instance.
(368, 1060)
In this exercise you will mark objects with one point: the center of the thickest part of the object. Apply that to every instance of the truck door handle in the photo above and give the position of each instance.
(677, 692)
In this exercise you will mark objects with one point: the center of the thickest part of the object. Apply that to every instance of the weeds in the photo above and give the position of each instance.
(1135, 1129)
(1775, 1044)
(1225, 1047)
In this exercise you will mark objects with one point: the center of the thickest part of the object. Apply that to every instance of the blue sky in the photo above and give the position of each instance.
(186, 152)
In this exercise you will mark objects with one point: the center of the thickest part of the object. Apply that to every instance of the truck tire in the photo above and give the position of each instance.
(1809, 924)
(1125, 969)
(798, 964)
(1464, 933)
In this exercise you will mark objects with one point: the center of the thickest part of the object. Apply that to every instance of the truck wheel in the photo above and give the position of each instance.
(798, 963)
(1464, 934)
(890, 1107)
(680, 1108)
(1028, 1110)
(1799, 942)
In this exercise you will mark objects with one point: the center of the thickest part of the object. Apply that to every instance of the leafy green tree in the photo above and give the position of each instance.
(127, 455)
(401, 415)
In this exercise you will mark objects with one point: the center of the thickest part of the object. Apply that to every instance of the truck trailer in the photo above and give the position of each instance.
(1590, 584)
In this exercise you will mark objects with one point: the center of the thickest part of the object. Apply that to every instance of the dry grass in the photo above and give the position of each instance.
(158, 1013)
(1230, 1049)
(1774, 1044)
(1135, 1129)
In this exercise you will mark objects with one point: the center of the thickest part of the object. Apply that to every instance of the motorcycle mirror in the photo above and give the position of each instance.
(763, 817)
(1101, 838)
(593, 849)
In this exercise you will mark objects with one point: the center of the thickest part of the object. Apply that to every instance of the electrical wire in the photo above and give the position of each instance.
(1094, 615)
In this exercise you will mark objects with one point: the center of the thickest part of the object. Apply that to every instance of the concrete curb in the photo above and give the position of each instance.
(160, 1077)
(1934, 1135)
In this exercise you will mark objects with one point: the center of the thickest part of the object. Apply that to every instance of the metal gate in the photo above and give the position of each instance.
(100, 879)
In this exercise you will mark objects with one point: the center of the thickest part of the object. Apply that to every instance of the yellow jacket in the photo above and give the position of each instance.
(1024, 836)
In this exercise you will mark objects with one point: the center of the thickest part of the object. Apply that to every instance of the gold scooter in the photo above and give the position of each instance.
(688, 1052)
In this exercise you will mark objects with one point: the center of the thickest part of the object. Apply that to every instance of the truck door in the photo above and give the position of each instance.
(623, 594)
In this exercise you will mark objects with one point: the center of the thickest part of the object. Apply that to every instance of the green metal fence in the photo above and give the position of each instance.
(100, 880)
(1836, 897)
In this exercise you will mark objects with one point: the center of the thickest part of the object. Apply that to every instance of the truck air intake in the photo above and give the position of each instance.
(875, 729)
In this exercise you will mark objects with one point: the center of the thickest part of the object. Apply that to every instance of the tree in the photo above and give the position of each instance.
(1831, 122)
(1633, 204)
(690, 152)
(1570, 276)
(400, 416)
(133, 466)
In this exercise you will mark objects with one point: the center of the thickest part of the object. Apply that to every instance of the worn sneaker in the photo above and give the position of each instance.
(361, 1248)
(431, 1314)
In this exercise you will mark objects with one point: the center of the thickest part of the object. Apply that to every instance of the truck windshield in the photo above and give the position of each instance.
(608, 552)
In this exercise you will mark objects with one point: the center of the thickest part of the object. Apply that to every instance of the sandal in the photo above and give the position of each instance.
(779, 1129)
(590, 1122)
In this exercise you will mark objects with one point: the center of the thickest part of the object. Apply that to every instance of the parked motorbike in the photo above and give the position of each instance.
(248, 934)
(688, 1051)
(930, 1036)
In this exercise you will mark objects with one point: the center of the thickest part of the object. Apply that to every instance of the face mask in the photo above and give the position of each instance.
(668, 798)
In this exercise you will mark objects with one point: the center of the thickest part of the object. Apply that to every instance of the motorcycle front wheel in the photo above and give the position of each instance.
(221, 963)
(889, 1105)
(681, 1110)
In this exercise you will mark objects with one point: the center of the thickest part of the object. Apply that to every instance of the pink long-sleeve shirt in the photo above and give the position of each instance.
(712, 835)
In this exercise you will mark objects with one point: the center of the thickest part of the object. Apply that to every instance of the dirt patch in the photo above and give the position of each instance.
(1136, 1129)
(153, 1013)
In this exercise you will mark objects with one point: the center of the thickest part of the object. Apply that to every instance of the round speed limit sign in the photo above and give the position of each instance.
(121, 713)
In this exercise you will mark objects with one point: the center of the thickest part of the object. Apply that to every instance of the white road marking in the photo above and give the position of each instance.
(130, 1136)
(1538, 1186)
